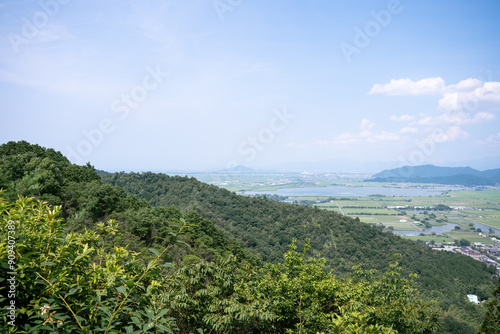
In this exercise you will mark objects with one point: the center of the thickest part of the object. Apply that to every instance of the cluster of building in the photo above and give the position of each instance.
(486, 236)
(491, 252)
(478, 251)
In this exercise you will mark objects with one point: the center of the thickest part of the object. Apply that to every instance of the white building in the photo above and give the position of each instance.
(473, 299)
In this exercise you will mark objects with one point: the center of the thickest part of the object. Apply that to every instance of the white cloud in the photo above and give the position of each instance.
(451, 134)
(386, 136)
(408, 129)
(493, 139)
(402, 118)
(409, 87)
(366, 124)
(488, 92)
(466, 95)
(457, 118)
(483, 115)
(450, 101)
(465, 85)
(426, 120)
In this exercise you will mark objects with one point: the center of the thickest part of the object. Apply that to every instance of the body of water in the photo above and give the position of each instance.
(485, 228)
(438, 229)
(352, 191)
(444, 228)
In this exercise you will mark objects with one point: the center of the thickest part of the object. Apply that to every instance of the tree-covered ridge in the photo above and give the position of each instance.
(31, 170)
(267, 228)
(264, 227)
(74, 283)
(491, 323)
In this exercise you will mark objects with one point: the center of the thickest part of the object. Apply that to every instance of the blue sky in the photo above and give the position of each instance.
(208, 84)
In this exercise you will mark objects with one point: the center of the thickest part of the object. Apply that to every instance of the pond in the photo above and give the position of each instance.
(485, 228)
(438, 229)
(444, 228)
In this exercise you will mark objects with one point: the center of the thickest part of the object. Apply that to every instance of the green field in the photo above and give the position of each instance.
(473, 206)
(471, 237)
(436, 238)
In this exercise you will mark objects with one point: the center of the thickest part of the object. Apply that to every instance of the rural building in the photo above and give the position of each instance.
(473, 299)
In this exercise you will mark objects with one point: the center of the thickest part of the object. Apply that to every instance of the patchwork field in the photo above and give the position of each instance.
(464, 207)
(442, 239)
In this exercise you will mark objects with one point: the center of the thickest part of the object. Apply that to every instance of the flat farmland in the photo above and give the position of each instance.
(442, 239)
(471, 237)
(369, 211)
(390, 221)
(410, 213)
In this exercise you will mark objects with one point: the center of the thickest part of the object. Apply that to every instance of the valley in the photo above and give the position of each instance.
(408, 209)
(248, 237)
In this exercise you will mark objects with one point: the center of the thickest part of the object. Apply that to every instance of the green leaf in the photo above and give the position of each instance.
(47, 264)
(105, 310)
(162, 313)
(164, 328)
(154, 251)
(122, 290)
(184, 243)
(168, 265)
(151, 265)
(72, 291)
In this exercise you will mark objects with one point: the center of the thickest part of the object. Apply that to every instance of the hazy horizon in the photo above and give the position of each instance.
(210, 84)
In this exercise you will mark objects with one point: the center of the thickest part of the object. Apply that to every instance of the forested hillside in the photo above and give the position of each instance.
(92, 254)
(30, 170)
(267, 227)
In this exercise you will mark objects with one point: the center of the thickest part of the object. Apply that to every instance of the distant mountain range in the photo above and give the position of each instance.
(240, 169)
(440, 175)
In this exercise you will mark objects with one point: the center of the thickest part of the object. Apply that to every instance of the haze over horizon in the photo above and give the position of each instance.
(210, 84)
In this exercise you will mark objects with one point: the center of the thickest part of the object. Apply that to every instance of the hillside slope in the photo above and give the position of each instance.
(267, 227)
(225, 221)
(44, 174)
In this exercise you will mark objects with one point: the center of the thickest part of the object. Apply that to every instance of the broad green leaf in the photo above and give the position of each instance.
(48, 264)
(154, 251)
(122, 290)
(72, 291)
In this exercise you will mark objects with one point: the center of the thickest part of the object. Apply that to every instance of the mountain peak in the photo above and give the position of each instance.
(440, 175)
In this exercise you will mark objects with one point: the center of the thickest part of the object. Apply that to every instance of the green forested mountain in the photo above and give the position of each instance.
(30, 170)
(267, 227)
(94, 261)
(439, 175)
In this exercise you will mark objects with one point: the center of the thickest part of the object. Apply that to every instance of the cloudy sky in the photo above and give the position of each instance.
(207, 84)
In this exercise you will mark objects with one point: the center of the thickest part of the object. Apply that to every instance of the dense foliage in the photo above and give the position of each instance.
(71, 283)
(267, 227)
(143, 211)
(30, 170)
(491, 323)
